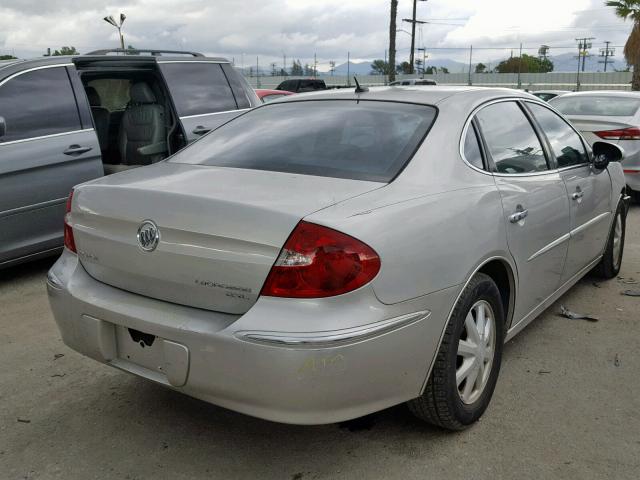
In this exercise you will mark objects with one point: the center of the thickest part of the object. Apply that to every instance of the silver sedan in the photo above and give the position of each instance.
(326, 256)
(610, 115)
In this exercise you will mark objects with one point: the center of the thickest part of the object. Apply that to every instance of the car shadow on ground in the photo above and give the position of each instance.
(27, 271)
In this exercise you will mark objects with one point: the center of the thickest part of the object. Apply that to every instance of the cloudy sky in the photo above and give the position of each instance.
(242, 30)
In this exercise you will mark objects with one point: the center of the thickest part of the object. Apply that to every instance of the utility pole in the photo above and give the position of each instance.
(424, 59)
(348, 69)
(284, 62)
(392, 40)
(520, 68)
(584, 43)
(257, 72)
(413, 23)
(470, 59)
(315, 65)
(606, 52)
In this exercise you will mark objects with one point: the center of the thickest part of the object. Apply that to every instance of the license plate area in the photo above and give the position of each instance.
(140, 348)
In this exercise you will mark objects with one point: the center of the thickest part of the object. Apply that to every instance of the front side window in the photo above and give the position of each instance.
(198, 88)
(38, 103)
(365, 140)
(565, 142)
(510, 139)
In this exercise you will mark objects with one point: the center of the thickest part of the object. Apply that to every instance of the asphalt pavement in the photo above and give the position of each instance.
(566, 406)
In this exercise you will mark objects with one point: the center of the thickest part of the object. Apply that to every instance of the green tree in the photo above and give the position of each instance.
(528, 64)
(65, 51)
(481, 68)
(296, 68)
(404, 68)
(379, 67)
(7, 57)
(630, 10)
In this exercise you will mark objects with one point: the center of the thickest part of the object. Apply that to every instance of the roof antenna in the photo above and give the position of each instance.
(360, 89)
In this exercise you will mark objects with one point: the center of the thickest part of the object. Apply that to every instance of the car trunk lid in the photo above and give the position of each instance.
(220, 229)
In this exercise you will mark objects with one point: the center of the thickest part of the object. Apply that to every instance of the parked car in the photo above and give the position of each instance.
(269, 95)
(65, 120)
(413, 81)
(613, 116)
(299, 85)
(547, 95)
(336, 266)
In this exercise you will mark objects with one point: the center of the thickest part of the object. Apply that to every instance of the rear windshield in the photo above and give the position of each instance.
(366, 140)
(597, 105)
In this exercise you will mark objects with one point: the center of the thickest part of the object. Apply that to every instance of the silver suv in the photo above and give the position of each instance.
(66, 120)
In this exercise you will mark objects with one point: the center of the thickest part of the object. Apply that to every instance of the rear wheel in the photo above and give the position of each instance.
(466, 368)
(611, 261)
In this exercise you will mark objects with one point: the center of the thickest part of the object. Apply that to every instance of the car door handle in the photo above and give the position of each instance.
(76, 150)
(200, 130)
(577, 195)
(519, 215)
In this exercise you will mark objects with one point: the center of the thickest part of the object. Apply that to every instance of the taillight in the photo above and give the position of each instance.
(69, 241)
(632, 133)
(317, 261)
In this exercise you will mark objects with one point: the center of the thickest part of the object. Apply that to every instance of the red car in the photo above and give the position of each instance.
(268, 95)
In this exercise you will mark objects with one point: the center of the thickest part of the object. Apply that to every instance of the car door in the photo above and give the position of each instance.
(588, 190)
(534, 202)
(44, 152)
(205, 96)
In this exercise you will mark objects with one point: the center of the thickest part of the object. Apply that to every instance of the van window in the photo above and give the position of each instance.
(114, 92)
(198, 88)
(38, 103)
(239, 85)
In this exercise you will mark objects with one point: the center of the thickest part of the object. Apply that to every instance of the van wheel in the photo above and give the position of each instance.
(466, 367)
(611, 261)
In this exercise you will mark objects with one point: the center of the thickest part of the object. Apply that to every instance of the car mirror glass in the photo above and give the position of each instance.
(604, 153)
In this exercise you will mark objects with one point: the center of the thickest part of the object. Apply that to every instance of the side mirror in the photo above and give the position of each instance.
(604, 153)
(3, 127)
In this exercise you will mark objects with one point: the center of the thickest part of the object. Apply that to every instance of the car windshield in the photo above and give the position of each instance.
(609, 106)
(361, 140)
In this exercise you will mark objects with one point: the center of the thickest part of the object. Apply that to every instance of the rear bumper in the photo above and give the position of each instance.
(272, 362)
(632, 178)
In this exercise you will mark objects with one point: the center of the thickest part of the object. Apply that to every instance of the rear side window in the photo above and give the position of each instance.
(364, 140)
(239, 86)
(565, 142)
(511, 140)
(609, 106)
(472, 151)
(198, 88)
(38, 103)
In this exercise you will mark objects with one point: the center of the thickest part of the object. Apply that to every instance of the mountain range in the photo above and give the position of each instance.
(565, 62)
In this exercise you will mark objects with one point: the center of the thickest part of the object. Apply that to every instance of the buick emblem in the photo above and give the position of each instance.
(148, 236)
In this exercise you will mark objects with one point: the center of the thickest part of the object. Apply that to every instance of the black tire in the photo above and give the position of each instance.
(609, 267)
(441, 404)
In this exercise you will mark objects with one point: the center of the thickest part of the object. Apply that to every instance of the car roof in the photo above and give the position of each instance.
(414, 94)
(603, 93)
(55, 60)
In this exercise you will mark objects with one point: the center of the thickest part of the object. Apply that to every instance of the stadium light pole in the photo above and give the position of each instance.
(113, 22)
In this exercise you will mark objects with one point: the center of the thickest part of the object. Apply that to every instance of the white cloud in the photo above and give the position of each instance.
(300, 28)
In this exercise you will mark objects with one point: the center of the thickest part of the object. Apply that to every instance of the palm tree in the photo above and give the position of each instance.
(392, 40)
(630, 9)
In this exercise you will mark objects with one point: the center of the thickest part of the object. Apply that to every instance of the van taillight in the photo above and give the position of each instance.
(318, 261)
(69, 241)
